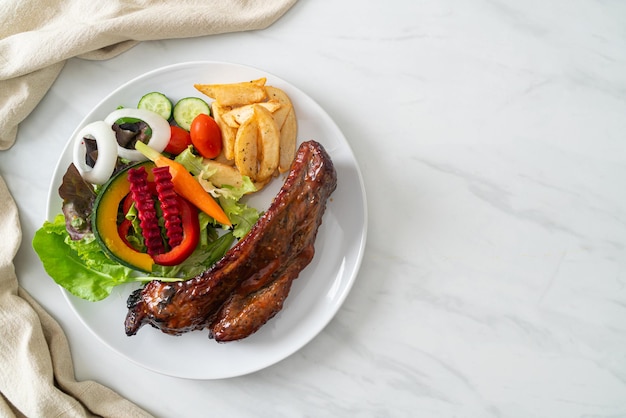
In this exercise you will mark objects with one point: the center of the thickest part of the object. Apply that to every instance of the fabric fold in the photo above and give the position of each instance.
(37, 378)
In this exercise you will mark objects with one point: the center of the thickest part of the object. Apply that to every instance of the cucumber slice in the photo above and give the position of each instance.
(187, 109)
(158, 103)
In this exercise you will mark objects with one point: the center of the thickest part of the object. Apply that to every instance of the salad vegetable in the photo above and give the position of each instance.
(206, 136)
(186, 185)
(190, 236)
(133, 215)
(160, 130)
(85, 271)
(186, 110)
(146, 211)
(106, 144)
(170, 205)
(104, 219)
(157, 103)
(179, 140)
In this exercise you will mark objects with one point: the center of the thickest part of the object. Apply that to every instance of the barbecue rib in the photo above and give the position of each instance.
(248, 286)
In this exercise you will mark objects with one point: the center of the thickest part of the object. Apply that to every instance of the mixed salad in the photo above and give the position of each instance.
(145, 198)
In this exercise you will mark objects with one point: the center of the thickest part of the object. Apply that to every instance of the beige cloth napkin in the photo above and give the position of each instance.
(36, 38)
(37, 375)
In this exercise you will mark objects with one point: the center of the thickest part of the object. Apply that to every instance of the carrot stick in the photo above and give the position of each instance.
(185, 185)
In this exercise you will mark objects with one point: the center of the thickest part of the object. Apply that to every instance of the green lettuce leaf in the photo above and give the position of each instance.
(192, 162)
(241, 215)
(79, 266)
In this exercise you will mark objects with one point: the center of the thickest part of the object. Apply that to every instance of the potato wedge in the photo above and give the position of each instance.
(228, 132)
(246, 148)
(269, 143)
(238, 115)
(261, 184)
(275, 93)
(288, 134)
(259, 81)
(235, 93)
(223, 174)
(222, 158)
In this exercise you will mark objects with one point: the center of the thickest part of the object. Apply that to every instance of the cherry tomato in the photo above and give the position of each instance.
(206, 136)
(179, 140)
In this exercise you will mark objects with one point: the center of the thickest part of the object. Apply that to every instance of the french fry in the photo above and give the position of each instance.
(268, 143)
(246, 148)
(233, 94)
(288, 134)
(228, 132)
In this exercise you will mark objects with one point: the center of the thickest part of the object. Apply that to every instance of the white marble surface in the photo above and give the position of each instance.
(491, 137)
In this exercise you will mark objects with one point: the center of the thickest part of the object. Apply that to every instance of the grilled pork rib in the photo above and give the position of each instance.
(248, 286)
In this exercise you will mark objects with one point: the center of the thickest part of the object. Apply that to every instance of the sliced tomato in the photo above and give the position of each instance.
(179, 140)
(206, 136)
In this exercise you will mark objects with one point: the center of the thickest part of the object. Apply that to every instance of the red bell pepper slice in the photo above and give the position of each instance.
(191, 236)
(123, 229)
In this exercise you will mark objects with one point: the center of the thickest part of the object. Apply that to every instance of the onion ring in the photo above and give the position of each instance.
(107, 152)
(160, 131)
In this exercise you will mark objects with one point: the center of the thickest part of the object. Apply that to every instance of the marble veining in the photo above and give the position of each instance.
(490, 135)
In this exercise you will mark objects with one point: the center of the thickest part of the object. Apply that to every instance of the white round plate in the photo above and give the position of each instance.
(316, 295)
